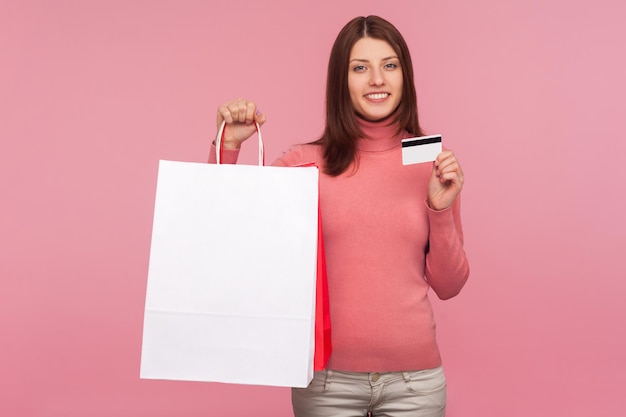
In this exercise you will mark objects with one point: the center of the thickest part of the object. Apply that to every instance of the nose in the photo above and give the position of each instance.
(376, 77)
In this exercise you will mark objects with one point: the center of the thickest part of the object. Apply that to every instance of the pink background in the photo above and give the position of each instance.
(530, 94)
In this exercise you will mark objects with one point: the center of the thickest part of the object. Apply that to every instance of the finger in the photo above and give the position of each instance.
(233, 111)
(259, 117)
(451, 179)
(451, 174)
(447, 161)
(443, 157)
(435, 170)
(238, 110)
(444, 165)
(224, 114)
(449, 166)
(250, 112)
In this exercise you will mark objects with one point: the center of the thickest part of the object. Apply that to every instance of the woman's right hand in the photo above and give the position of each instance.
(240, 117)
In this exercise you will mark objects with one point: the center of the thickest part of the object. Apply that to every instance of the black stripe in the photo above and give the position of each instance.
(417, 142)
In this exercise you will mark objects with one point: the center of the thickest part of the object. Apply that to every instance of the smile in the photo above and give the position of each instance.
(377, 96)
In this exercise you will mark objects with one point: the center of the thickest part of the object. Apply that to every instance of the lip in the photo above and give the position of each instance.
(377, 96)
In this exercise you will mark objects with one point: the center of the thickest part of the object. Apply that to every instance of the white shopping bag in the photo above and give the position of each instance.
(232, 275)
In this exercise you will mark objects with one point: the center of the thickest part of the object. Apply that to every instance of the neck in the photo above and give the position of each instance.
(378, 136)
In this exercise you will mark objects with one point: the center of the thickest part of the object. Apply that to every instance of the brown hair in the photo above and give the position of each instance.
(342, 131)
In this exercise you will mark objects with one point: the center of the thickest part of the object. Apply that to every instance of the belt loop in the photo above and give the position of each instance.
(406, 376)
(329, 377)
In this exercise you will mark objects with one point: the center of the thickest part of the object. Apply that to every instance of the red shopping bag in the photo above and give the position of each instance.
(323, 346)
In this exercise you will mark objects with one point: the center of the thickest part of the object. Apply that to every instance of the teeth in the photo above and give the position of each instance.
(377, 96)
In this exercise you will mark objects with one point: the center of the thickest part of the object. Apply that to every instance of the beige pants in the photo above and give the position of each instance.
(355, 394)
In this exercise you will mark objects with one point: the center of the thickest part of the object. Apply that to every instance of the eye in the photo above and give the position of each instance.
(391, 65)
(358, 68)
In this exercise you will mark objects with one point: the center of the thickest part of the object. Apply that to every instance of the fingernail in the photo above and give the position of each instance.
(257, 112)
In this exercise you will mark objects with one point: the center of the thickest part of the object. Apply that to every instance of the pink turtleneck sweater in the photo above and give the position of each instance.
(385, 248)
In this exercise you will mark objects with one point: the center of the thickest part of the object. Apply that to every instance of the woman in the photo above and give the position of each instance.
(391, 232)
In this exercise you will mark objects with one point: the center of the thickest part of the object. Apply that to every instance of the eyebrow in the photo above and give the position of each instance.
(367, 60)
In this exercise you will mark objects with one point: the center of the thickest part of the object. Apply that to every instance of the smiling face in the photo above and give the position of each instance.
(374, 79)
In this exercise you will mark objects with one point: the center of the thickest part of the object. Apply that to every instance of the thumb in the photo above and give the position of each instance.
(259, 117)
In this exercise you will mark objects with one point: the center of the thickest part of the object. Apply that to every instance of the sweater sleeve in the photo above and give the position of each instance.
(447, 268)
(290, 158)
(229, 156)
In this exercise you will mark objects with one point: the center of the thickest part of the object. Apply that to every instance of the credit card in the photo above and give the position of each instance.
(420, 149)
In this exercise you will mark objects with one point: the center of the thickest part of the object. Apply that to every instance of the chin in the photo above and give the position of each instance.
(374, 117)
(380, 117)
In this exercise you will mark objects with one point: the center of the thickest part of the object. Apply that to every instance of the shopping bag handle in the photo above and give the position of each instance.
(220, 138)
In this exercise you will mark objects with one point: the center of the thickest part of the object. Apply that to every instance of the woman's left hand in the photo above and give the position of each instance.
(446, 181)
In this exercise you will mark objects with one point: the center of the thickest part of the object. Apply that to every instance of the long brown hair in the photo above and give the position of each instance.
(342, 131)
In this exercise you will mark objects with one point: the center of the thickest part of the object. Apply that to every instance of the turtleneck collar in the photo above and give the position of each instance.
(379, 136)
